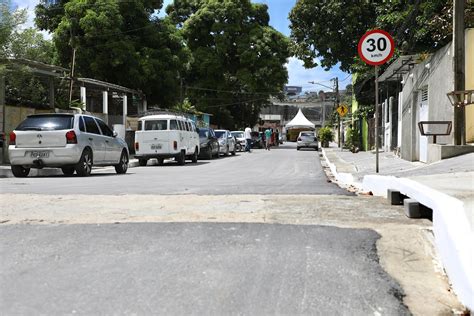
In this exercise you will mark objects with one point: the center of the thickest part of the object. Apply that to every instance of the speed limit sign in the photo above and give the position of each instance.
(376, 47)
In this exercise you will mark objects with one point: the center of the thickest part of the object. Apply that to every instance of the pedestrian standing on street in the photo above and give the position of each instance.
(268, 138)
(248, 139)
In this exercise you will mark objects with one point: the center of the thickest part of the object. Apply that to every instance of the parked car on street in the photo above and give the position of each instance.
(164, 136)
(226, 142)
(257, 140)
(209, 143)
(72, 142)
(239, 139)
(307, 139)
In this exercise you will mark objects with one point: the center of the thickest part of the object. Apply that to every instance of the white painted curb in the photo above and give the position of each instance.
(454, 238)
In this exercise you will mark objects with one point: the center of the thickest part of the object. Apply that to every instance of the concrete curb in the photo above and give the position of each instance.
(453, 234)
(346, 179)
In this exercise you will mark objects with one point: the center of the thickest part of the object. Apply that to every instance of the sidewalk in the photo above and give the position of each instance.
(447, 187)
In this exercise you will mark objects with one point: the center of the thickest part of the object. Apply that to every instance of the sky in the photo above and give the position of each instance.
(278, 11)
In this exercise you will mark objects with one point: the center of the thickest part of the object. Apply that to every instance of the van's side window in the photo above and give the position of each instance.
(180, 124)
(140, 124)
(173, 125)
(188, 127)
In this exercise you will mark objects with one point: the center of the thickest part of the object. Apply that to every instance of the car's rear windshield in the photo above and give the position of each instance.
(46, 123)
(203, 132)
(238, 134)
(219, 134)
(156, 125)
(307, 134)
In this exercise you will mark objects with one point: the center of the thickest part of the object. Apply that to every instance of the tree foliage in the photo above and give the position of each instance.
(330, 30)
(238, 59)
(120, 42)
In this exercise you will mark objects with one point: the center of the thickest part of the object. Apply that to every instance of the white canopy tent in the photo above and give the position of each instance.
(300, 121)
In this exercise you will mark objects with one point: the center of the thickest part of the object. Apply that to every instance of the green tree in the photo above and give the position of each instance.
(122, 42)
(330, 30)
(9, 22)
(238, 59)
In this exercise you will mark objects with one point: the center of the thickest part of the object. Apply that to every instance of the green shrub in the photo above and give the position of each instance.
(325, 136)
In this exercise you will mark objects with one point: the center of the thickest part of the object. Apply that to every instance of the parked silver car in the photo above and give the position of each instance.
(72, 142)
(226, 142)
(240, 139)
(307, 139)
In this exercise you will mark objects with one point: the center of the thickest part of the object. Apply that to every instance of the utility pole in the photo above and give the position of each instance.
(339, 121)
(459, 75)
(71, 82)
(377, 115)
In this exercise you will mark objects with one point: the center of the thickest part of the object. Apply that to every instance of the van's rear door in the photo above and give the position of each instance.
(154, 137)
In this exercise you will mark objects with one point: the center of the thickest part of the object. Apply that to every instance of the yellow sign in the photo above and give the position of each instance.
(342, 109)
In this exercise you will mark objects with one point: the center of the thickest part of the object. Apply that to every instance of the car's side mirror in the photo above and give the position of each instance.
(115, 134)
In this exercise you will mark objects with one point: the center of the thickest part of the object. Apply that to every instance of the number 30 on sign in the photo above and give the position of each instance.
(376, 47)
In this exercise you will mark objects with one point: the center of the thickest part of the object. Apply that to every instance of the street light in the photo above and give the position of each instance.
(461, 98)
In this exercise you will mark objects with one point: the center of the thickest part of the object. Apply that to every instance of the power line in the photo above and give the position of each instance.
(230, 91)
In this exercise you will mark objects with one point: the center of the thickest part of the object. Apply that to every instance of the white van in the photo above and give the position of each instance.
(164, 136)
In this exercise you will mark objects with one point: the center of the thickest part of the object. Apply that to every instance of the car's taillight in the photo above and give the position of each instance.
(71, 137)
(12, 138)
(175, 145)
(137, 146)
(299, 139)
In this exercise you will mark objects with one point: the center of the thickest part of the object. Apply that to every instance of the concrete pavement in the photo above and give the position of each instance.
(447, 187)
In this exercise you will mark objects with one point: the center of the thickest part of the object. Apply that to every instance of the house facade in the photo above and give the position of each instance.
(424, 81)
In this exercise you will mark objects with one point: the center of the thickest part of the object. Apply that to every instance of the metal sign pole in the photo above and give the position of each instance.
(376, 119)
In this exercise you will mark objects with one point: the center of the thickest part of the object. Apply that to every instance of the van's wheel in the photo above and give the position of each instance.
(68, 171)
(20, 171)
(84, 166)
(218, 151)
(122, 166)
(160, 161)
(181, 158)
(194, 158)
(142, 162)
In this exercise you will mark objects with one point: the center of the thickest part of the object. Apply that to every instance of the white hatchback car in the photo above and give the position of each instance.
(72, 142)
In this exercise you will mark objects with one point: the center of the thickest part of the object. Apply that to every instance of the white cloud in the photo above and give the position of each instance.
(300, 76)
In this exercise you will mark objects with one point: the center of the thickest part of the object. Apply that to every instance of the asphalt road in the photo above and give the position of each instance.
(283, 170)
(199, 268)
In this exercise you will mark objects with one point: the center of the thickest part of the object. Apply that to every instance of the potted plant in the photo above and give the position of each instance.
(325, 136)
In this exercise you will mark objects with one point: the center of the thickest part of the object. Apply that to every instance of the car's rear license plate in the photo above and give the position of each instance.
(156, 146)
(39, 154)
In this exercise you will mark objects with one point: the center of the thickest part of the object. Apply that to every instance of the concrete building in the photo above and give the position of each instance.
(425, 81)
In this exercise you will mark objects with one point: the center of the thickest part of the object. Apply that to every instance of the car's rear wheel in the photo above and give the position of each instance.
(122, 166)
(84, 166)
(233, 151)
(227, 151)
(142, 162)
(218, 151)
(20, 171)
(194, 158)
(297, 148)
(209, 150)
(160, 161)
(68, 171)
(181, 158)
